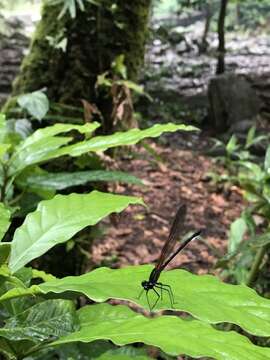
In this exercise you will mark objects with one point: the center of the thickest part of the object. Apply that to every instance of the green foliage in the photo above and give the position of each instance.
(20, 157)
(42, 321)
(38, 311)
(204, 297)
(4, 252)
(4, 220)
(57, 220)
(247, 249)
(63, 180)
(170, 333)
(32, 322)
(70, 6)
(36, 104)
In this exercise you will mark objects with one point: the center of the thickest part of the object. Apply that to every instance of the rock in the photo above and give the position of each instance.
(12, 49)
(242, 127)
(231, 100)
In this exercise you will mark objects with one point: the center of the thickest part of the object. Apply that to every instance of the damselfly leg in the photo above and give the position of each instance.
(168, 289)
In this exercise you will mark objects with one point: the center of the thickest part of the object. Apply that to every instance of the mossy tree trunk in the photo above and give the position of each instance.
(94, 39)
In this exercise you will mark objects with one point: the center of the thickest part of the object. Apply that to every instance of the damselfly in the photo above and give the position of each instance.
(166, 257)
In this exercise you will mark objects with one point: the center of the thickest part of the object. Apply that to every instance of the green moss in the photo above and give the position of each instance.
(41, 66)
(9, 105)
(94, 38)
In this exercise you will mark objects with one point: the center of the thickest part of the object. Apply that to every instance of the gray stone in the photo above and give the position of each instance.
(231, 100)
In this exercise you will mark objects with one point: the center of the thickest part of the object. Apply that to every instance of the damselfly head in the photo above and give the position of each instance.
(145, 284)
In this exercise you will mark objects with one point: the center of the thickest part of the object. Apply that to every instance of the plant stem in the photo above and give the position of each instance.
(3, 188)
(256, 266)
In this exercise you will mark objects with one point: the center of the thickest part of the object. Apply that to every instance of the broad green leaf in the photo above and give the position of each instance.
(4, 252)
(55, 130)
(4, 220)
(55, 221)
(130, 137)
(60, 181)
(205, 297)
(27, 157)
(267, 160)
(237, 231)
(36, 153)
(170, 333)
(43, 142)
(20, 292)
(36, 104)
(44, 193)
(42, 321)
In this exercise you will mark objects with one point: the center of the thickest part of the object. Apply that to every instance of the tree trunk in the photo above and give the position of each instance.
(93, 40)
(221, 37)
(208, 16)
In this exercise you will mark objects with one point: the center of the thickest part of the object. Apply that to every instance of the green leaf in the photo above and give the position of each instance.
(7, 350)
(237, 231)
(3, 149)
(39, 274)
(36, 104)
(4, 220)
(42, 321)
(56, 129)
(267, 160)
(4, 271)
(205, 297)
(261, 240)
(124, 353)
(250, 137)
(102, 143)
(4, 252)
(232, 145)
(3, 128)
(55, 221)
(43, 142)
(36, 153)
(119, 67)
(170, 333)
(257, 173)
(60, 181)
(20, 292)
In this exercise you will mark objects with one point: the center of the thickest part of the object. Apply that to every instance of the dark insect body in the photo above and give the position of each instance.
(166, 257)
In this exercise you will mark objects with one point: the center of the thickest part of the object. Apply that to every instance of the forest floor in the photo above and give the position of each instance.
(176, 76)
(137, 236)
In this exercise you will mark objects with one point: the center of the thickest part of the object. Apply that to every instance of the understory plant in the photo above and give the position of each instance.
(43, 317)
(40, 319)
(22, 155)
(248, 257)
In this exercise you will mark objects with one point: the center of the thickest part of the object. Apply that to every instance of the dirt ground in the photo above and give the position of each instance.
(138, 234)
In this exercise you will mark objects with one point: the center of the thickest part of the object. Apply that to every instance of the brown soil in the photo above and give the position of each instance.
(140, 232)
